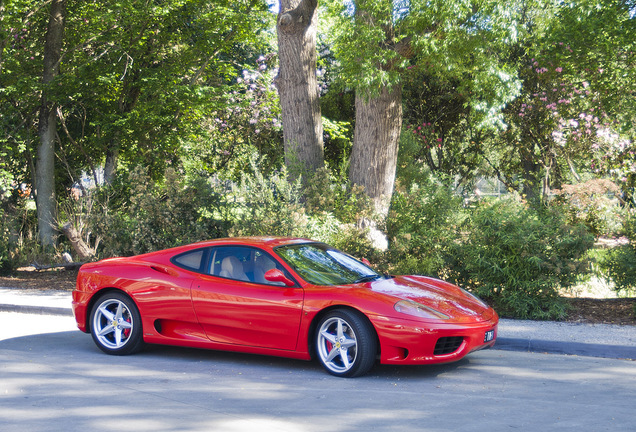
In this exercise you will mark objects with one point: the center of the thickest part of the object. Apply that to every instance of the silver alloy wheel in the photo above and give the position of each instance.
(113, 324)
(337, 345)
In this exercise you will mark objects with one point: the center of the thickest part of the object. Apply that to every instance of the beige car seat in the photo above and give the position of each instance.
(232, 268)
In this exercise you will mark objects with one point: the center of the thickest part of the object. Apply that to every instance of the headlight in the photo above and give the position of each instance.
(410, 307)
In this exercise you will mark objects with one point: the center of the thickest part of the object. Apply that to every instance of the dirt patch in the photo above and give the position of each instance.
(602, 311)
(582, 310)
(27, 278)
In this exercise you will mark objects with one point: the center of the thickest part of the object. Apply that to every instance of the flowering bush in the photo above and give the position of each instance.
(243, 120)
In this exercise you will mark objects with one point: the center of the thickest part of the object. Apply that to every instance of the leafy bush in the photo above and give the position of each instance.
(590, 203)
(517, 258)
(139, 215)
(619, 262)
(19, 243)
(266, 206)
(423, 225)
(7, 263)
(329, 193)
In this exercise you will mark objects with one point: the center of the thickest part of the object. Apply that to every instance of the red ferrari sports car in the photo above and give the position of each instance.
(278, 296)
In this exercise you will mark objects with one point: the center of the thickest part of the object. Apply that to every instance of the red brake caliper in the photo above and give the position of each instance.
(127, 331)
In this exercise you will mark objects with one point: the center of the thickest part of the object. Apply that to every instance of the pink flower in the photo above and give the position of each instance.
(559, 69)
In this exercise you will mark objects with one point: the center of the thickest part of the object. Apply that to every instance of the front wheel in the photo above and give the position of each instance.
(346, 343)
(116, 324)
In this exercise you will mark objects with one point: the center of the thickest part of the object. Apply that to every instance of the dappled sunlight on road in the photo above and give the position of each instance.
(62, 379)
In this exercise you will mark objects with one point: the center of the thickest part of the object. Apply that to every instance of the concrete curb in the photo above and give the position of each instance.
(567, 348)
(36, 310)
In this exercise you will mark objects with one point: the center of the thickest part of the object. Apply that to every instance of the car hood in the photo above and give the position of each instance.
(442, 296)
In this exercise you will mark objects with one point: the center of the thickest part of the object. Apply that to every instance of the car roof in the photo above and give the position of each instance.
(254, 241)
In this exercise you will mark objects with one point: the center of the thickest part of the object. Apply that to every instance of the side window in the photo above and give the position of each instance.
(190, 260)
(242, 263)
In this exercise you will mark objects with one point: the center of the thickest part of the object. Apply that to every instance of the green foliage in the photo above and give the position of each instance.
(19, 242)
(151, 216)
(273, 205)
(138, 79)
(6, 258)
(423, 225)
(620, 262)
(590, 203)
(267, 206)
(518, 258)
(620, 265)
(327, 192)
(376, 43)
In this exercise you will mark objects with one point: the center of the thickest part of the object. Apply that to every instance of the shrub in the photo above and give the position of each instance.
(7, 263)
(266, 206)
(590, 203)
(19, 243)
(517, 258)
(619, 262)
(422, 225)
(274, 205)
(329, 193)
(156, 215)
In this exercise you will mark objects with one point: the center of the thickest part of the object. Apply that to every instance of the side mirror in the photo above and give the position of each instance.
(275, 275)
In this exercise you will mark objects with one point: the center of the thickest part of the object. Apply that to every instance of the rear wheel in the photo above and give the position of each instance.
(116, 324)
(346, 343)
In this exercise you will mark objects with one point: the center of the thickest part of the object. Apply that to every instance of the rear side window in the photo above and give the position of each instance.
(191, 260)
(243, 263)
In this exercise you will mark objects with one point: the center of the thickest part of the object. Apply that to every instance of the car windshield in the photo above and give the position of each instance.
(321, 264)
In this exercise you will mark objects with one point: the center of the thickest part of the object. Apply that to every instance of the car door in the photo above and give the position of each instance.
(236, 305)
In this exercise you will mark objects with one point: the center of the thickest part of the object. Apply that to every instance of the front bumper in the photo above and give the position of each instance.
(411, 342)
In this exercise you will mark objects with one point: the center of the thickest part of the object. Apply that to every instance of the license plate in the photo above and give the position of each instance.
(490, 335)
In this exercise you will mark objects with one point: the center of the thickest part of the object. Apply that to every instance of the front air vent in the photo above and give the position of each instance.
(448, 345)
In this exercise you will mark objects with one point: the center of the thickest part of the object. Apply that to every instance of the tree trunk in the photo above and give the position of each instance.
(298, 87)
(45, 164)
(110, 166)
(82, 250)
(4, 40)
(376, 142)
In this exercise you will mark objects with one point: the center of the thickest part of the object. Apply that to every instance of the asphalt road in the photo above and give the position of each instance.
(52, 378)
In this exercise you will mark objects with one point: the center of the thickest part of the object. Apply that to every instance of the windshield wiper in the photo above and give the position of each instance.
(367, 278)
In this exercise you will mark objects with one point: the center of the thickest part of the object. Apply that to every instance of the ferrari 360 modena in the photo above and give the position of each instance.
(286, 297)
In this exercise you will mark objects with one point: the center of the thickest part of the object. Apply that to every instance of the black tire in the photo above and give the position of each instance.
(346, 344)
(116, 324)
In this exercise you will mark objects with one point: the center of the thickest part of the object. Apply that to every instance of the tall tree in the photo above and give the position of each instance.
(378, 110)
(298, 87)
(45, 163)
(377, 43)
(576, 111)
